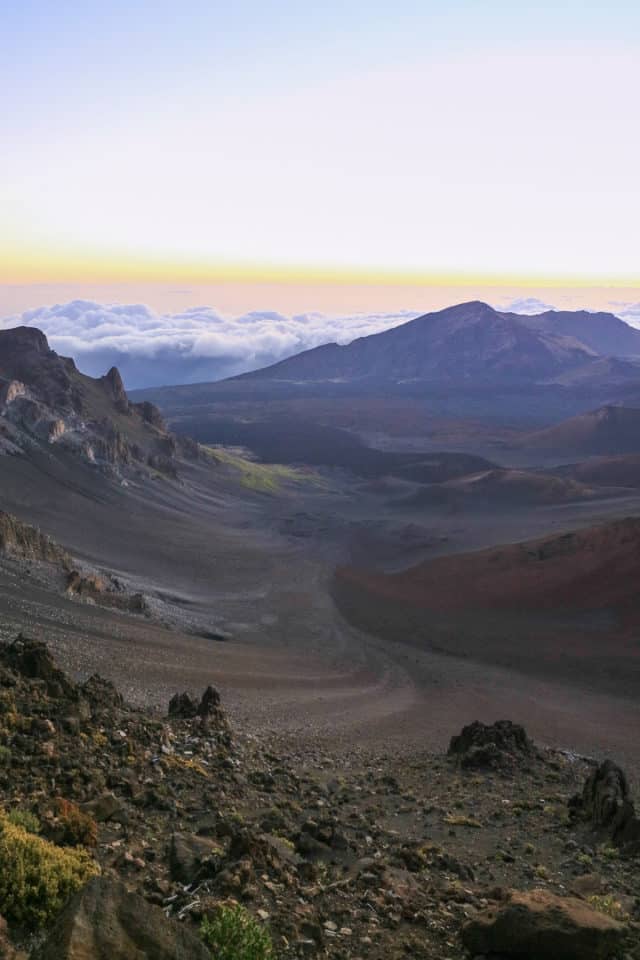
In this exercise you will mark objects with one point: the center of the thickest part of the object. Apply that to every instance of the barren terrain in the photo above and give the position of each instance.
(238, 583)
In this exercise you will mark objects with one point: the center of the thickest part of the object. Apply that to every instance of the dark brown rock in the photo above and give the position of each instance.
(606, 804)
(605, 795)
(32, 659)
(210, 703)
(182, 707)
(538, 925)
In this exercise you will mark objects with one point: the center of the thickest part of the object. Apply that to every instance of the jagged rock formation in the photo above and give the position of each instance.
(605, 795)
(606, 804)
(25, 542)
(46, 402)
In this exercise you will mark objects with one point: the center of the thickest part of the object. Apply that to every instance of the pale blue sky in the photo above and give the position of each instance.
(463, 137)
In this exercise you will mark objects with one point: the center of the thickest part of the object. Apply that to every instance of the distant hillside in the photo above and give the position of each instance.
(470, 341)
(565, 605)
(500, 489)
(604, 333)
(609, 430)
(619, 471)
(593, 568)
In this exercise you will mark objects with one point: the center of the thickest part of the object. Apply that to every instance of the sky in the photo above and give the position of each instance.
(342, 159)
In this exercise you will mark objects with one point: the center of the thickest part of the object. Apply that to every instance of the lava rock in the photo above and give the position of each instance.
(182, 707)
(501, 744)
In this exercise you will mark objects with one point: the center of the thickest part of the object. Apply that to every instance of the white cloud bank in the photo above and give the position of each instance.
(152, 349)
(199, 344)
(528, 306)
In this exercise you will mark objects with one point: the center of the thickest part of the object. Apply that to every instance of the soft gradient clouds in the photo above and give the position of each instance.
(152, 349)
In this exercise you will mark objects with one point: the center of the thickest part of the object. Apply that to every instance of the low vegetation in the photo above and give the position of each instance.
(231, 933)
(261, 477)
(37, 877)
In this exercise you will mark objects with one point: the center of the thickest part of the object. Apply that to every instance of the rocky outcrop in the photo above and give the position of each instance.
(538, 924)
(114, 387)
(150, 414)
(31, 659)
(206, 715)
(10, 390)
(501, 745)
(605, 796)
(21, 540)
(107, 593)
(44, 399)
(104, 921)
(606, 804)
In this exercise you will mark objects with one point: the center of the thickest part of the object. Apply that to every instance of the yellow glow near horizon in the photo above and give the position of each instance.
(46, 267)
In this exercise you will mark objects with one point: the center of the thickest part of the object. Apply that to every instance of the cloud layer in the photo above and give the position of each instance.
(526, 305)
(199, 344)
(152, 349)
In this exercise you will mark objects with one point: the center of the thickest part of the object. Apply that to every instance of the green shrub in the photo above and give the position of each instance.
(5, 755)
(25, 819)
(37, 877)
(233, 934)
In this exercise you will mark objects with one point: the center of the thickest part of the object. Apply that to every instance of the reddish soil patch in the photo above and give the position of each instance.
(584, 570)
(564, 606)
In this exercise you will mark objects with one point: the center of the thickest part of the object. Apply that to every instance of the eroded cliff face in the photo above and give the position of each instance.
(20, 540)
(45, 400)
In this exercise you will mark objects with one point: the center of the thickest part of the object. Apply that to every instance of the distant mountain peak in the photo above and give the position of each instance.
(464, 343)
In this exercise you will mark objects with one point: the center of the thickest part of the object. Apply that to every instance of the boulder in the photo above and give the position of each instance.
(538, 925)
(192, 858)
(106, 922)
(501, 744)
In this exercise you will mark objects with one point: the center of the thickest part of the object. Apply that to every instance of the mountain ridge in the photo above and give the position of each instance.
(465, 342)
